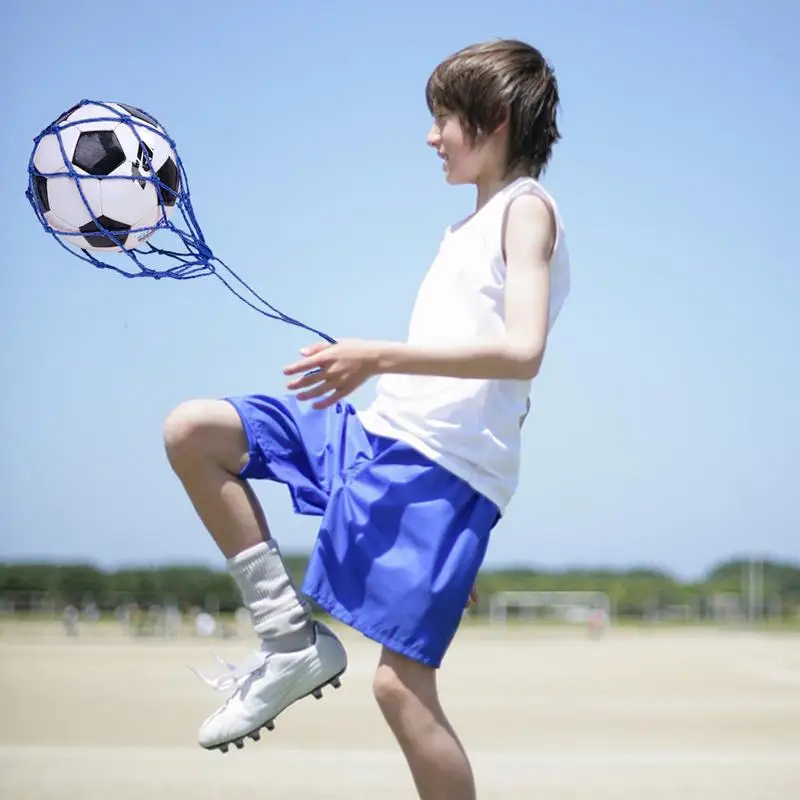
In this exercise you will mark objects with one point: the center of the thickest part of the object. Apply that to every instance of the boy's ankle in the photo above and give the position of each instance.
(279, 616)
(288, 641)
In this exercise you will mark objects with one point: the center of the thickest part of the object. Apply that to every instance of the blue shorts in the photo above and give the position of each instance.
(401, 538)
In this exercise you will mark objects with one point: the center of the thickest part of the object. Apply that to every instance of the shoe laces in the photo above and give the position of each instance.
(236, 676)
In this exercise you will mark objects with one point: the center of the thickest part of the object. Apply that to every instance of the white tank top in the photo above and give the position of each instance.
(468, 426)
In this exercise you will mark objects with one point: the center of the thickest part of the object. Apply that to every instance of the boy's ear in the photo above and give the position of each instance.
(504, 122)
(506, 118)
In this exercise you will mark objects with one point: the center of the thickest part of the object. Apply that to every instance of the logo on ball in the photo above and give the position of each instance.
(142, 161)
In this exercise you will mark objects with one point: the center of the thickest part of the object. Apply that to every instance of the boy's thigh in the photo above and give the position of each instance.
(294, 444)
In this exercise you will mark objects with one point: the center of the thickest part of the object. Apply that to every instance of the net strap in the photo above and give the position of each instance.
(196, 260)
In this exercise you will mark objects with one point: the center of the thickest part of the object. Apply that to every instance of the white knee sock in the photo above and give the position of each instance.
(279, 615)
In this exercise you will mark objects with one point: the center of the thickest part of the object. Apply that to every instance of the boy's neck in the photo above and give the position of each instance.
(488, 187)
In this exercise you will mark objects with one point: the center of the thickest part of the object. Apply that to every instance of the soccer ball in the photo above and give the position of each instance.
(104, 177)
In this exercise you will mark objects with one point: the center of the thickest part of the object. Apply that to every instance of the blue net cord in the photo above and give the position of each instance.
(195, 260)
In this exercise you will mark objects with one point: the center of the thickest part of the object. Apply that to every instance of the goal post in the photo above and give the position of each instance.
(575, 607)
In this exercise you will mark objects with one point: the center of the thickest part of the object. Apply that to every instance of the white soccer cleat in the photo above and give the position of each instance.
(266, 684)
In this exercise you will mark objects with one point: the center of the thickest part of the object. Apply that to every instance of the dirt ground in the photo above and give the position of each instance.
(545, 714)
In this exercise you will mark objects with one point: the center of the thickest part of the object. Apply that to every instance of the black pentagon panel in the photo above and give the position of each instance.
(98, 152)
(63, 117)
(170, 177)
(137, 113)
(119, 229)
(40, 188)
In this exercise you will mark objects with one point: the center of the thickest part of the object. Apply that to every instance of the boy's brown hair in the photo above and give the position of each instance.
(483, 83)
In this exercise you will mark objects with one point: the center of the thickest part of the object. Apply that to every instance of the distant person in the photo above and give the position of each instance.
(410, 488)
(204, 624)
(598, 623)
(173, 621)
(69, 619)
(91, 612)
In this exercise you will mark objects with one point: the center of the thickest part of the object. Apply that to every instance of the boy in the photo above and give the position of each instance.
(410, 488)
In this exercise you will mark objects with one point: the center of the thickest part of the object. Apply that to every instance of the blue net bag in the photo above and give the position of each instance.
(101, 149)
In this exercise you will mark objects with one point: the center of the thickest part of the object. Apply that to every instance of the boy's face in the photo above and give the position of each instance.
(463, 161)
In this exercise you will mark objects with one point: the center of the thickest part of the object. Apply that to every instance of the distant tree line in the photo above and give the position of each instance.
(633, 593)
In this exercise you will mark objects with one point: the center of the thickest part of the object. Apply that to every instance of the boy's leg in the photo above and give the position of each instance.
(407, 695)
(207, 448)
(401, 545)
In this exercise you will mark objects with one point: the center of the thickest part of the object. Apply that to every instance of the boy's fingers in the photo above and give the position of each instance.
(309, 379)
(298, 366)
(310, 394)
(310, 364)
(314, 348)
(328, 401)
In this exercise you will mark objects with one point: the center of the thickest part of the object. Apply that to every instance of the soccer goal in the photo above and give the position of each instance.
(575, 608)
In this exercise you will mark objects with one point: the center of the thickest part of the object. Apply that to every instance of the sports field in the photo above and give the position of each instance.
(640, 715)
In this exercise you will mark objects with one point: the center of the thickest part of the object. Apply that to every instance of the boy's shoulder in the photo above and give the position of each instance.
(530, 225)
(530, 193)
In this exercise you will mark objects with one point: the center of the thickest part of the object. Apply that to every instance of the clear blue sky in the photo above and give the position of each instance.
(666, 422)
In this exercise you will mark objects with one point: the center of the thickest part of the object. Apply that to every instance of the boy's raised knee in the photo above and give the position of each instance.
(204, 428)
(184, 425)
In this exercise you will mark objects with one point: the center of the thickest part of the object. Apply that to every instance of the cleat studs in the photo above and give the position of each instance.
(239, 744)
(336, 683)
(317, 693)
(223, 748)
(255, 736)
(270, 726)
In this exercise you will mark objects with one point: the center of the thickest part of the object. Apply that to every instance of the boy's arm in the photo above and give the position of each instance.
(328, 373)
(529, 241)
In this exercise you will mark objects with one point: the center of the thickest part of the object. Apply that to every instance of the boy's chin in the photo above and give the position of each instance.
(456, 179)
